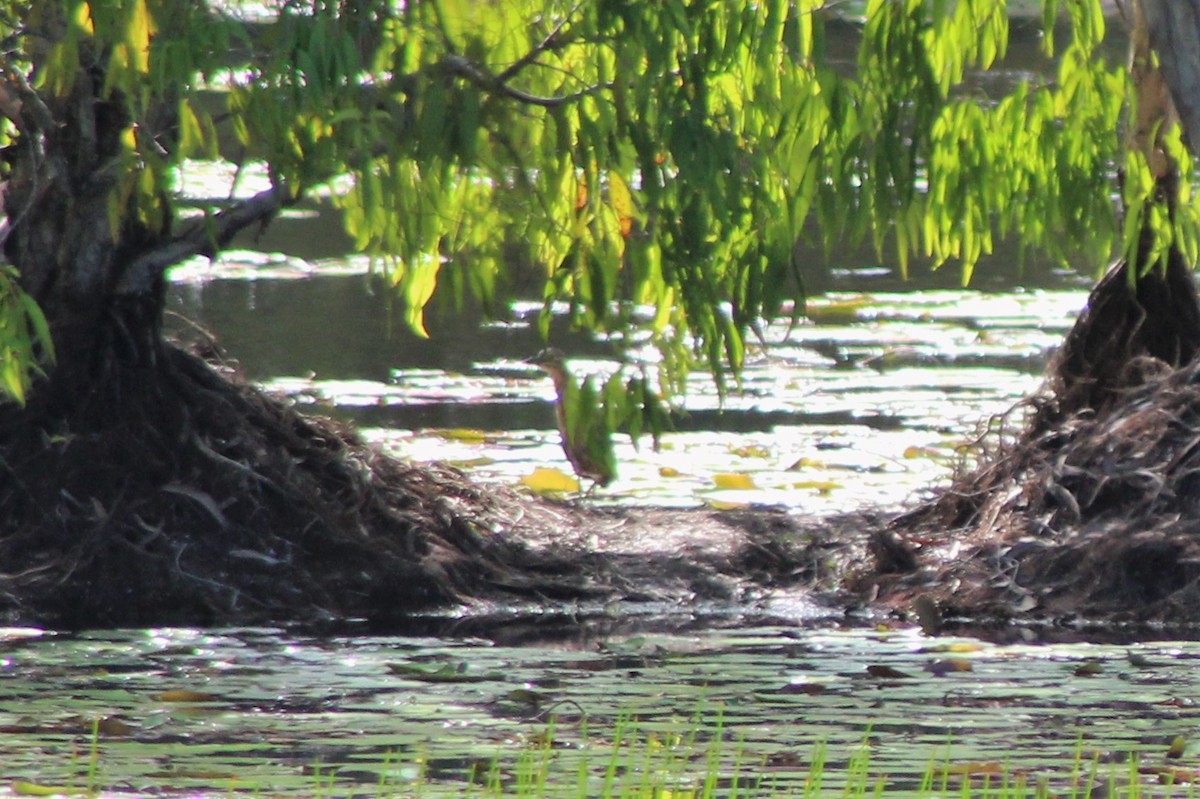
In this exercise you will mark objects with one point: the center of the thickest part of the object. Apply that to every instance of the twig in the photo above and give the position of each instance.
(551, 42)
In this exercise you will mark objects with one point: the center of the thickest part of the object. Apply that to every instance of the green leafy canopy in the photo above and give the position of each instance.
(663, 156)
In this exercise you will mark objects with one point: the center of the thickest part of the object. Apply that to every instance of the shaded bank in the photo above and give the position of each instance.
(1092, 508)
(204, 501)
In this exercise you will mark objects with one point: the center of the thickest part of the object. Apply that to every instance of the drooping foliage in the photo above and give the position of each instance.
(645, 156)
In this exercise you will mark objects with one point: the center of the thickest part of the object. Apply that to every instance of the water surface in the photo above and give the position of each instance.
(265, 712)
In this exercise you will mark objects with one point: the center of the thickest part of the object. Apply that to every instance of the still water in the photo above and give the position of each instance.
(863, 405)
(866, 402)
(269, 713)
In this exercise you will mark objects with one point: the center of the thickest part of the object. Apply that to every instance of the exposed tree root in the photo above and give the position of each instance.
(198, 500)
(1093, 509)
(1123, 324)
(172, 493)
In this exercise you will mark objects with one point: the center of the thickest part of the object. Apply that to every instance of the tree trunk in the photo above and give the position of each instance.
(1091, 507)
(1173, 29)
(1129, 324)
(1140, 310)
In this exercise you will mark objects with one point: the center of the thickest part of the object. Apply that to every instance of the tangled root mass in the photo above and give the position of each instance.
(1093, 508)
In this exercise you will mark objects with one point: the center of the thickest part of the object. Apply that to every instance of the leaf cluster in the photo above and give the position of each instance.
(665, 158)
(660, 159)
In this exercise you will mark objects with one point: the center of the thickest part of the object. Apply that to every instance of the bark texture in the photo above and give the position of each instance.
(1174, 30)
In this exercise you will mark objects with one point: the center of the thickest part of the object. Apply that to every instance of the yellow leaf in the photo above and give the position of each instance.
(921, 452)
(958, 647)
(462, 434)
(141, 29)
(191, 136)
(581, 193)
(717, 504)
(622, 202)
(752, 451)
(549, 481)
(820, 486)
(734, 481)
(80, 19)
(805, 463)
(420, 281)
(667, 471)
(14, 381)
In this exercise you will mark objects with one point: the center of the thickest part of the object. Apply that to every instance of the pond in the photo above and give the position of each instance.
(865, 404)
(271, 713)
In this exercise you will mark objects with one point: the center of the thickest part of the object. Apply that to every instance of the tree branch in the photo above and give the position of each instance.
(463, 68)
(25, 109)
(207, 239)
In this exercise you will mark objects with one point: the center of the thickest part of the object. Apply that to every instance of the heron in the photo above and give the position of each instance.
(585, 437)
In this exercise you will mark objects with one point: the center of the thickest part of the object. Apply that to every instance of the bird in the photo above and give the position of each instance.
(586, 440)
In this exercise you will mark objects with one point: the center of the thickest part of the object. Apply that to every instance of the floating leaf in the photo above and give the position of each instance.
(913, 452)
(111, 725)
(445, 673)
(887, 673)
(184, 695)
(193, 774)
(820, 486)
(808, 688)
(734, 481)
(668, 471)
(944, 666)
(524, 696)
(717, 504)
(1172, 776)
(466, 434)
(1178, 747)
(956, 647)
(546, 480)
(1089, 669)
(466, 464)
